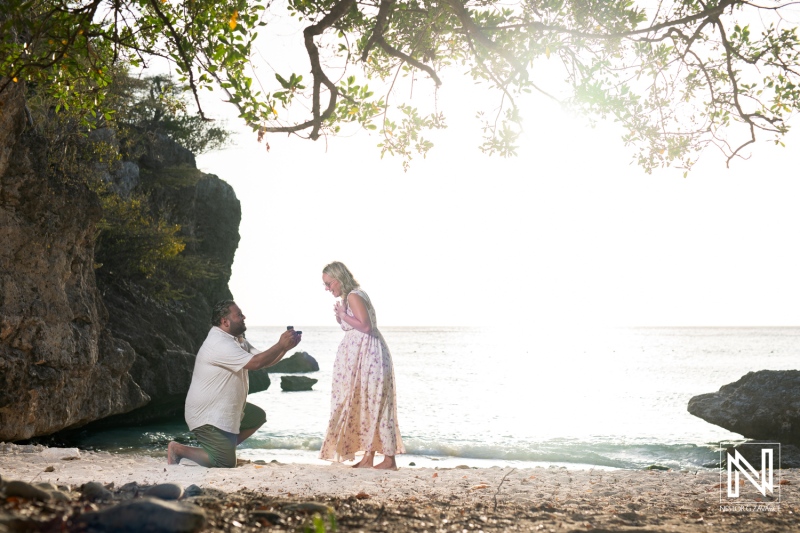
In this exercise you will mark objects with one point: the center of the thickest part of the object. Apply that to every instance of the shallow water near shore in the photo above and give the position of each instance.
(610, 398)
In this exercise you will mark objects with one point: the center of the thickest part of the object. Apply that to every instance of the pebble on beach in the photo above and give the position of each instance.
(20, 489)
(165, 491)
(61, 454)
(95, 492)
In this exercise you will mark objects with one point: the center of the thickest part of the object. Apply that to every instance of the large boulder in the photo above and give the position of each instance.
(763, 405)
(298, 362)
(296, 383)
(258, 380)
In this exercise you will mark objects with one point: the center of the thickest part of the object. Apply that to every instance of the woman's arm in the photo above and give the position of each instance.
(360, 319)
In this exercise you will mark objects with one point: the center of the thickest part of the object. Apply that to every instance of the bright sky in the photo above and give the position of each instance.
(567, 233)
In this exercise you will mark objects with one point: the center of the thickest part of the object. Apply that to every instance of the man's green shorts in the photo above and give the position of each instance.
(221, 445)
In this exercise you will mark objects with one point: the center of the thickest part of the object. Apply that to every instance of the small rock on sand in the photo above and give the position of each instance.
(20, 489)
(95, 492)
(165, 491)
(193, 490)
(64, 454)
(147, 514)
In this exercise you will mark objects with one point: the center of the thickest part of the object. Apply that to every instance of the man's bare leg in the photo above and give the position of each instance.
(177, 451)
(388, 463)
(366, 461)
(240, 438)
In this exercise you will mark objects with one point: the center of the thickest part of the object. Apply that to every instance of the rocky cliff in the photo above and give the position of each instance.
(59, 365)
(165, 336)
(75, 348)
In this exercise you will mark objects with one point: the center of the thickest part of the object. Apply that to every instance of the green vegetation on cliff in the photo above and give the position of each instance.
(136, 239)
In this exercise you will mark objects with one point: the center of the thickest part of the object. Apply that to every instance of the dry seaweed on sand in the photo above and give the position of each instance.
(251, 511)
(95, 489)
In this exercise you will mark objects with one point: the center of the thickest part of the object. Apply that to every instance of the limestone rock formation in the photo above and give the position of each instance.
(76, 347)
(59, 365)
(167, 335)
(763, 405)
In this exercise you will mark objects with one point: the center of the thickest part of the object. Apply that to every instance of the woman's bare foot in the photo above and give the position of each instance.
(366, 462)
(388, 463)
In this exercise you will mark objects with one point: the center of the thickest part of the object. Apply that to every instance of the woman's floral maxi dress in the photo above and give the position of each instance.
(363, 398)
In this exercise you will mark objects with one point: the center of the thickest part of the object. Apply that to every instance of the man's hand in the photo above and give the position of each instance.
(289, 339)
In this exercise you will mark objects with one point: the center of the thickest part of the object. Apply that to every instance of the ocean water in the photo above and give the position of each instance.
(606, 398)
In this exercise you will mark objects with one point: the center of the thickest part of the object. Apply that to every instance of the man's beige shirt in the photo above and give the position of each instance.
(219, 382)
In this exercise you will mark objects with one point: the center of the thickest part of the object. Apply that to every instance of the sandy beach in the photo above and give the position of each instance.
(263, 496)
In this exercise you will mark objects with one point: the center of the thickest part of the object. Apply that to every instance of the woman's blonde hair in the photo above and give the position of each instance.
(342, 274)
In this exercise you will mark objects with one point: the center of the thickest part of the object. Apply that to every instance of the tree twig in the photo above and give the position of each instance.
(494, 509)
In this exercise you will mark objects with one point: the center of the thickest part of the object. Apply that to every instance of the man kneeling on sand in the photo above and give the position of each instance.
(217, 411)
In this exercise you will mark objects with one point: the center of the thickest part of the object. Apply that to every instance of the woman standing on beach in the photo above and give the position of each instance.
(363, 399)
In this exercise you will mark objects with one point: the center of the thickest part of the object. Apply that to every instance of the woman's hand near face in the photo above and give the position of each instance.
(339, 310)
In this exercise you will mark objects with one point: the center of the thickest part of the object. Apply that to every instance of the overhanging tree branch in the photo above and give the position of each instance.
(187, 62)
(408, 59)
(477, 34)
(318, 74)
(676, 80)
(381, 19)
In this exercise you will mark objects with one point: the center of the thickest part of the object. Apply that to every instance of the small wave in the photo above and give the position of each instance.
(608, 452)
(283, 443)
(614, 455)
(601, 454)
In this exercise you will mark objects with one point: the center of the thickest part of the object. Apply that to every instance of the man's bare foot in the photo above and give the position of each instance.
(388, 463)
(172, 453)
(177, 451)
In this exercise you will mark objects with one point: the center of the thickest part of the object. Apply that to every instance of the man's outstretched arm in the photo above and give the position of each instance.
(288, 340)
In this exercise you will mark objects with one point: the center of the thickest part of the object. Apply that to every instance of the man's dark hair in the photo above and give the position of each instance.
(220, 311)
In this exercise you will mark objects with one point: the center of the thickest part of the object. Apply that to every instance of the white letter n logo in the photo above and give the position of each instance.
(738, 462)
